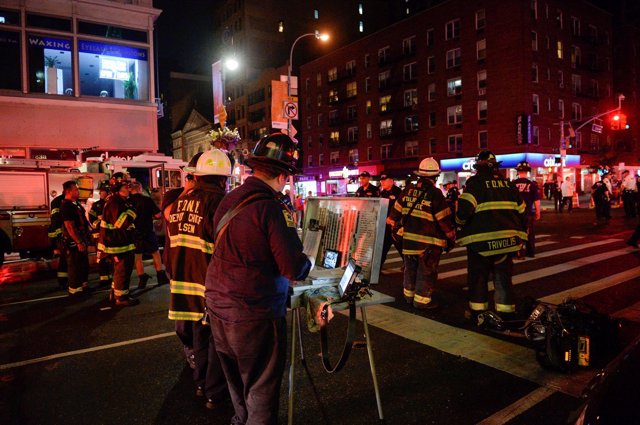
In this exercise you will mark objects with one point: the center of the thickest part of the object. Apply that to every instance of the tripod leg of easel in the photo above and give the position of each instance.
(371, 362)
(300, 334)
(294, 332)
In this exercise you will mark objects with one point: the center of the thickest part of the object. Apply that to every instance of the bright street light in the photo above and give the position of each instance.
(231, 64)
(318, 36)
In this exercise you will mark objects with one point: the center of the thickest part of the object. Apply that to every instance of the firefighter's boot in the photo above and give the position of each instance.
(142, 280)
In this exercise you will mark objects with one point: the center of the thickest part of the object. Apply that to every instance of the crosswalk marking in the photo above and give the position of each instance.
(631, 313)
(489, 351)
(519, 407)
(595, 286)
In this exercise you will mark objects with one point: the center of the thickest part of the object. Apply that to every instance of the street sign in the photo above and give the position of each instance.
(290, 110)
(596, 128)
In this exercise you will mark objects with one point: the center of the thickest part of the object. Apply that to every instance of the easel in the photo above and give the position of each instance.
(296, 332)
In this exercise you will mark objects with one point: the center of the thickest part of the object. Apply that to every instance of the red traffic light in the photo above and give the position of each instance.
(619, 122)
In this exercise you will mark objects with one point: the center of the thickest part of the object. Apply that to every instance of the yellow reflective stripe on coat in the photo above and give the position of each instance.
(122, 218)
(423, 238)
(413, 251)
(184, 315)
(116, 249)
(188, 241)
(421, 300)
(498, 205)
(505, 308)
(408, 293)
(478, 306)
(422, 214)
(442, 214)
(487, 253)
(499, 234)
(55, 211)
(119, 292)
(187, 288)
(63, 274)
(466, 196)
(75, 290)
(55, 233)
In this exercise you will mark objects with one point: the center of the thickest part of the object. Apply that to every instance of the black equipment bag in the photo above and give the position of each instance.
(572, 335)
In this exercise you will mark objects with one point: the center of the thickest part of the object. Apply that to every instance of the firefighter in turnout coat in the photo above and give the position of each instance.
(427, 231)
(55, 237)
(95, 216)
(494, 227)
(116, 240)
(191, 237)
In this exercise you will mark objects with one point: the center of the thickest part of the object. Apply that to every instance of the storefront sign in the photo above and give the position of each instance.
(344, 174)
(114, 50)
(511, 161)
(50, 43)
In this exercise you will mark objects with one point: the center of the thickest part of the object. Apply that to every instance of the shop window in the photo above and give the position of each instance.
(111, 70)
(50, 65)
(10, 65)
(9, 17)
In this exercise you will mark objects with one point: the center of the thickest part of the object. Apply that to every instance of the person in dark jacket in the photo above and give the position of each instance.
(116, 240)
(493, 224)
(55, 237)
(366, 189)
(255, 255)
(76, 232)
(531, 196)
(191, 236)
(391, 192)
(428, 230)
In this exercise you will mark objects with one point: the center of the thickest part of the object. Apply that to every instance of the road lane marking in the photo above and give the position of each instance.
(591, 287)
(84, 351)
(519, 407)
(55, 297)
(546, 254)
(505, 356)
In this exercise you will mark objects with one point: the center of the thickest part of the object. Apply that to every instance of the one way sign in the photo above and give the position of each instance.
(290, 110)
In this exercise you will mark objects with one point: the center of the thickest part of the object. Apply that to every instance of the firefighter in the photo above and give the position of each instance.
(55, 237)
(256, 254)
(76, 232)
(366, 189)
(116, 240)
(191, 236)
(427, 231)
(95, 215)
(493, 220)
(531, 196)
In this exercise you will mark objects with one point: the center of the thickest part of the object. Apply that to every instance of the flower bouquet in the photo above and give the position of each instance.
(224, 138)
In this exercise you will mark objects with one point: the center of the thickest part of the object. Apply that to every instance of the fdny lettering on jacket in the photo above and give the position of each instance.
(523, 187)
(190, 208)
(412, 196)
(497, 184)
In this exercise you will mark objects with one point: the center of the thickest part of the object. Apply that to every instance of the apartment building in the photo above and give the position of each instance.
(457, 78)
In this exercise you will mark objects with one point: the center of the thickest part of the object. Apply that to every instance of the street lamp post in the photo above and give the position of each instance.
(317, 35)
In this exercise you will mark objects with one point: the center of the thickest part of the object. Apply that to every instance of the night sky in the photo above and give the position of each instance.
(185, 35)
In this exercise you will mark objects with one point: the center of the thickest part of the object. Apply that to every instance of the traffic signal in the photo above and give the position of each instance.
(619, 122)
(615, 122)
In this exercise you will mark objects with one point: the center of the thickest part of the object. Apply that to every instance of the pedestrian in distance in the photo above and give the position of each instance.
(452, 195)
(191, 239)
(390, 191)
(76, 236)
(556, 193)
(146, 240)
(493, 223)
(257, 252)
(601, 200)
(366, 189)
(117, 240)
(629, 194)
(428, 230)
(568, 190)
(531, 196)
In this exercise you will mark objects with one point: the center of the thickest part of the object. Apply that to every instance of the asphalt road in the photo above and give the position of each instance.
(66, 362)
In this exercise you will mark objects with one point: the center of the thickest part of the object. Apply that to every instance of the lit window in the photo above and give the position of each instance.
(333, 96)
(332, 74)
(280, 26)
(410, 98)
(454, 115)
(360, 9)
(361, 26)
(334, 136)
(353, 153)
(454, 86)
(385, 102)
(386, 128)
(559, 49)
(316, 14)
(367, 107)
(411, 123)
(352, 89)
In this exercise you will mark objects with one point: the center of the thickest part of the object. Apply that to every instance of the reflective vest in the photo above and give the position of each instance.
(492, 215)
(191, 235)
(95, 217)
(116, 227)
(430, 221)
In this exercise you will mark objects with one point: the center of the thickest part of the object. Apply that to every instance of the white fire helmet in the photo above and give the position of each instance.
(213, 163)
(429, 167)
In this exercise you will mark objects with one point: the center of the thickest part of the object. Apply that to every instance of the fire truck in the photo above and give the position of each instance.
(29, 185)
